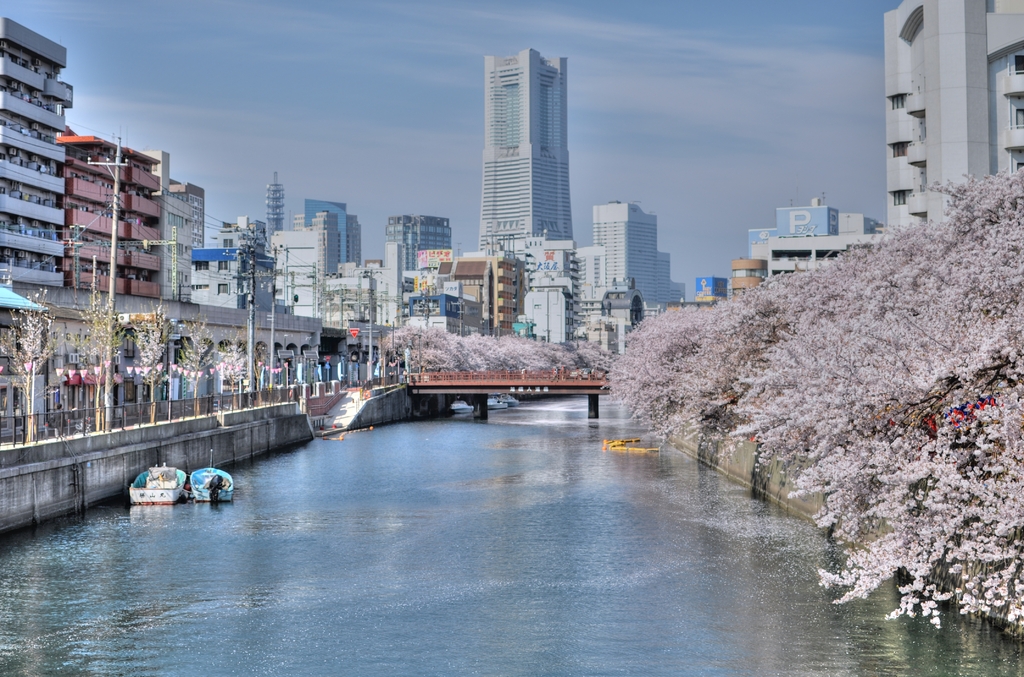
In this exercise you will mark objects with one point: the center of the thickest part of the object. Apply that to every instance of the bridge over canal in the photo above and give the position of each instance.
(476, 385)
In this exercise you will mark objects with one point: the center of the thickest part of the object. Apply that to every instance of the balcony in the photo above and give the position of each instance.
(142, 205)
(1013, 138)
(87, 190)
(9, 69)
(27, 275)
(1013, 84)
(44, 114)
(917, 154)
(30, 141)
(141, 178)
(144, 288)
(915, 105)
(917, 204)
(143, 260)
(13, 204)
(59, 90)
(31, 173)
(102, 281)
(13, 236)
(138, 231)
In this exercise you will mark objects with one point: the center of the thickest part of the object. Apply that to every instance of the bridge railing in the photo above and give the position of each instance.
(560, 375)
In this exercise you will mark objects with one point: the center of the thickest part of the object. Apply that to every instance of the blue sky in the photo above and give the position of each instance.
(709, 114)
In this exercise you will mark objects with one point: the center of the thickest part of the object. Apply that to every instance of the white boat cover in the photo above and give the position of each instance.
(162, 478)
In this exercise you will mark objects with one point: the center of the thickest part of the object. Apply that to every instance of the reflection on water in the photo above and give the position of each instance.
(508, 547)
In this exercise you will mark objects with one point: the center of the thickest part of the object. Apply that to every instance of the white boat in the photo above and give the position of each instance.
(157, 486)
(494, 403)
(460, 407)
(508, 400)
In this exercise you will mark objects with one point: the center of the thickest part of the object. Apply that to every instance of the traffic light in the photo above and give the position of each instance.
(295, 298)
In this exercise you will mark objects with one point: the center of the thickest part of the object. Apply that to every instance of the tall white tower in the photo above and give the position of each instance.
(526, 153)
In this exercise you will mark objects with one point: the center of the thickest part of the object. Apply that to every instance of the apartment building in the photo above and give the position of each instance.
(88, 217)
(32, 104)
(954, 87)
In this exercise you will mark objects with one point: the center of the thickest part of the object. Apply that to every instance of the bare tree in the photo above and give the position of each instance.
(99, 345)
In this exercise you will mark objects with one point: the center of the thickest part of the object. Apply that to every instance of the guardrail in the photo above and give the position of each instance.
(25, 429)
(547, 376)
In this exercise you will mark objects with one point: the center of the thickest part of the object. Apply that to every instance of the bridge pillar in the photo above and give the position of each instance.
(480, 407)
(593, 408)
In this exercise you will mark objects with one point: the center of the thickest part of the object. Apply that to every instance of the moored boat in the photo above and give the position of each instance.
(212, 485)
(494, 403)
(460, 407)
(157, 486)
(508, 400)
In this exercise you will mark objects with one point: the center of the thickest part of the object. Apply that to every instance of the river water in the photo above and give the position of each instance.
(508, 547)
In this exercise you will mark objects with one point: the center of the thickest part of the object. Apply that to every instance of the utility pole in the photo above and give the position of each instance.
(108, 359)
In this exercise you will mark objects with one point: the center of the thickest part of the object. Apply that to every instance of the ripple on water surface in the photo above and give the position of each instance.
(508, 547)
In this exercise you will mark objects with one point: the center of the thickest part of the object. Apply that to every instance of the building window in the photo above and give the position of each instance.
(222, 289)
(898, 101)
(1019, 118)
(223, 266)
(1018, 64)
(202, 265)
(900, 149)
(899, 197)
(227, 243)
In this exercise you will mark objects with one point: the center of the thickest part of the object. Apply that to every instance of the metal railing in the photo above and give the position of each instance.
(559, 375)
(51, 425)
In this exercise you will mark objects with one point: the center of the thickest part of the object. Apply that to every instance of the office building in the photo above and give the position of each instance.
(630, 240)
(552, 302)
(418, 233)
(329, 244)
(88, 220)
(220, 277)
(495, 278)
(954, 87)
(526, 154)
(196, 198)
(747, 274)
(275, 206)
(353, 240)
(177, 229)
(806, 238)
(32, 104)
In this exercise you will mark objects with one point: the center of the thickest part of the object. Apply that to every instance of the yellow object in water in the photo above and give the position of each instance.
(626, 446)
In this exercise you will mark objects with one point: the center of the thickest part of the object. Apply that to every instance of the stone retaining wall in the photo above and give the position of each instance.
(61, 477)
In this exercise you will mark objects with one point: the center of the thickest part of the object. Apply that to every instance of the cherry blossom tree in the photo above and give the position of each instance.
(437, 350)
(150, 337)
(891, 383)
(28, 344)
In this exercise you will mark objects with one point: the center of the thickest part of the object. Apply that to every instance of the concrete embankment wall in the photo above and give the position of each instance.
(389, 407)
(739, 461)
(47, 480)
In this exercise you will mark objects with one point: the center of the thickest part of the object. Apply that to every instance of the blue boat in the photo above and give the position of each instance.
(212, 485)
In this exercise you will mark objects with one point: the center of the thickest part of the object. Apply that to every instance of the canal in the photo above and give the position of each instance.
(513, 546)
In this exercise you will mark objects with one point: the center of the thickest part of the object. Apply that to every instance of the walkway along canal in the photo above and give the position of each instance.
(512, 547)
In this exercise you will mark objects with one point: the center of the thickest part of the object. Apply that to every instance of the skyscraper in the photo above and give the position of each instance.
(526, 155)
(630, 240)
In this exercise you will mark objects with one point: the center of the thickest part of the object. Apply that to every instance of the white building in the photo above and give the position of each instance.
(552, 303)
(298, 276)
(954, 82)
(377, 291)
(32, 103)
(526, 153)
(806, 238)
(630, 239)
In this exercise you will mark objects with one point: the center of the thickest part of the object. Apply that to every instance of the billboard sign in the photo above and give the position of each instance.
(433, 258)
(551, 261)
(790, 221)
(711, 289)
